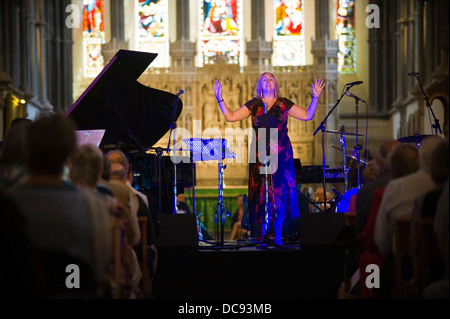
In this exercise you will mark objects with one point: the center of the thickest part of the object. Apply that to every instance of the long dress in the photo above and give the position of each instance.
(283, 198)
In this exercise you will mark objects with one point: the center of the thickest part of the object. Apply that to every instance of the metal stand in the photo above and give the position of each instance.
(436, 125)
(213, 149)
(342, 143)
(220, 210)
(322, 128)
(173, 127)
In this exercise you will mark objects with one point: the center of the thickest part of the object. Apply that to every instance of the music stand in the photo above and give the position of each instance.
(206, 150)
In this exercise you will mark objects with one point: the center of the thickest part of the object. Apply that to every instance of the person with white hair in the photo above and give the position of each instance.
(400, 194)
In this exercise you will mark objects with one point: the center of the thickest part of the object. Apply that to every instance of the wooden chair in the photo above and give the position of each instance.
(350, 219)
(426, 251)
(119, 229)
(402, 250)
(143, 264)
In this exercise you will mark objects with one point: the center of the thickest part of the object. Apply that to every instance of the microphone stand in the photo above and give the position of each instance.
(266, 180)
(173, 127)
(436, 125)
(357, 147)
(322, 128)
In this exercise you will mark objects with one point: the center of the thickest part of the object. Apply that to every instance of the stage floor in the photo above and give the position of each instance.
(246, 271)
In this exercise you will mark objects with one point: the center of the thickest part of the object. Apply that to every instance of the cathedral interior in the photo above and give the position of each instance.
(384, 63)
(394, 55)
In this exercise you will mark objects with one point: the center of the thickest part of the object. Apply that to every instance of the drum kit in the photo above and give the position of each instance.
(351, 158)
(345, 200)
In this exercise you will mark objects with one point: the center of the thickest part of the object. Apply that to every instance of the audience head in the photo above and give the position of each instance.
(118, 172)
(426, 150)
(86, 166)
(51, 140)
(14, 146)
(106, 169)
(117, 156)
(439, 163)
(19, 121)
(371, 171)
(381, 157)
(403, 160)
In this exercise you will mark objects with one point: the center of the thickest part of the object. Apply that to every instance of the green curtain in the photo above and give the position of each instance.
(206, 203)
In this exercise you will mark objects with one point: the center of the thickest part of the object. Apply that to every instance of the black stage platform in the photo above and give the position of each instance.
(248, 273)
(312, 267)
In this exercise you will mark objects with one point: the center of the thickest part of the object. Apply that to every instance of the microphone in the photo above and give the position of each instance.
(413, 73)
(348, 93)
(181, 91)
(354, 83)
(265, 108)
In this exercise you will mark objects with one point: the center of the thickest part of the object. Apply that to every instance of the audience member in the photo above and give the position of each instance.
(20, 270)
(402, 161)
(182, 206)
(152, 228)
(439, 289)
(238, 232)
(18, 121)
(60, 224)
(351, 242)
(399, 195)
(13, 169)
(365, 194)
(121, 170)
(86, 166)
(425, 206)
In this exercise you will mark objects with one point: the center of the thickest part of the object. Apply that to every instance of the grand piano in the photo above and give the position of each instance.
(134, 118)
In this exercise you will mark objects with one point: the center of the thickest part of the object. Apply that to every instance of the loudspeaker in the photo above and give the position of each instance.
(177, 231)
(320, 229)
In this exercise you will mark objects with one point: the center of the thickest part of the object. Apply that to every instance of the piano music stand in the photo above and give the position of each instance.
(206, 150)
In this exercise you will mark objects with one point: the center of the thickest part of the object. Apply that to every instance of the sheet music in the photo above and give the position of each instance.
(89, 137)
(209, 149)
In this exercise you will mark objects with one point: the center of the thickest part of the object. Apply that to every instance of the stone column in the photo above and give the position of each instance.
(38, 53)
(117, 41)
(259, 51)
(183, 50)
(325, 65)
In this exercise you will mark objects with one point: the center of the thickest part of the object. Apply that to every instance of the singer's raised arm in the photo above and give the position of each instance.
(231, 116)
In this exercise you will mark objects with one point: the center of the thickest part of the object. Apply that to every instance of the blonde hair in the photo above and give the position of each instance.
(259, 85)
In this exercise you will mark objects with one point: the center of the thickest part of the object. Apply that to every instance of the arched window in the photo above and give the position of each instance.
(152, 29)
(345, 33)
(220, 31)
(288, 38)
(93, 37)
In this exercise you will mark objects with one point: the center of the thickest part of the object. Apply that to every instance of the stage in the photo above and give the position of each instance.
(308, 272)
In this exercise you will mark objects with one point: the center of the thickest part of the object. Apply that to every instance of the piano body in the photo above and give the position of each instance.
(134, 118)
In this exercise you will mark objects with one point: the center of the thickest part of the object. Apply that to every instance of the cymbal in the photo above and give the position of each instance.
(343, 132)
(362, 160)
(348, 153)
(413, 138)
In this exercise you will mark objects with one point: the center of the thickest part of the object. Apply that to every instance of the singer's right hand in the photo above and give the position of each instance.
(218, 90)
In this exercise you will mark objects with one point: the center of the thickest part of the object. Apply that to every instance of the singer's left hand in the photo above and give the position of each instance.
(318, 86)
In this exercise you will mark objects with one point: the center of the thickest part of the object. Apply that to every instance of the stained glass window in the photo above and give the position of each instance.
(220, 31)
(288, 39)
(152, 30)
(93, 37)
(345, 32)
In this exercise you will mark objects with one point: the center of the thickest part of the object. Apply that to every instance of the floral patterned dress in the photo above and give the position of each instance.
(283, 198)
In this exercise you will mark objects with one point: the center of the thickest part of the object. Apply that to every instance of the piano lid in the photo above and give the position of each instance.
(133, 115)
